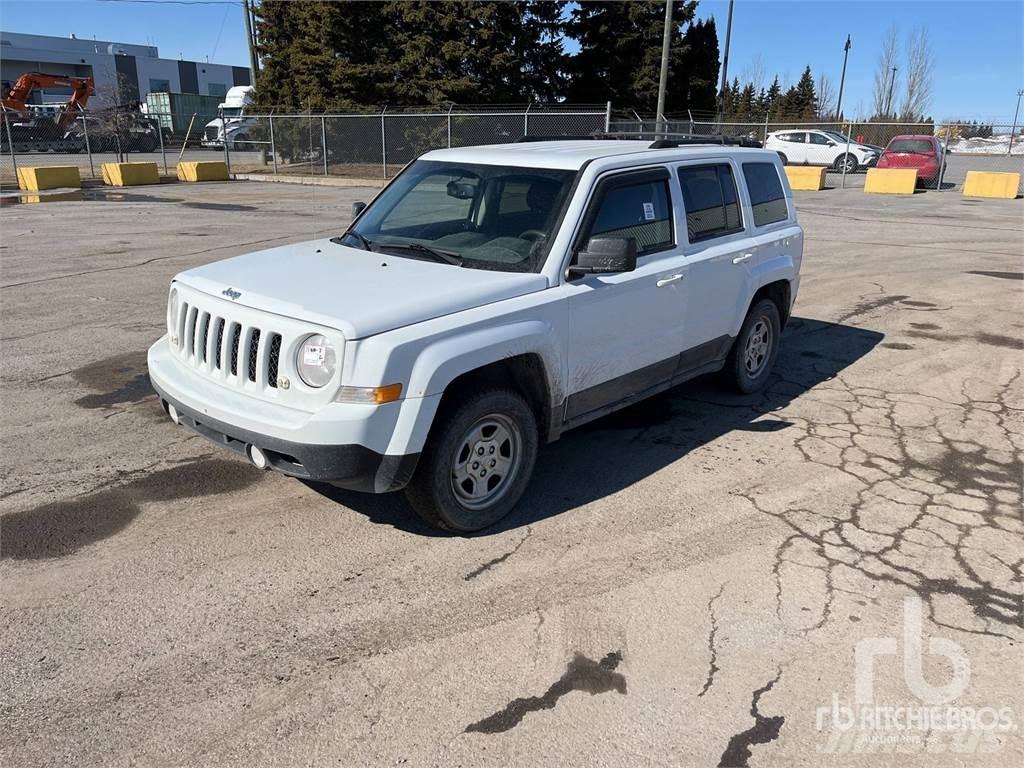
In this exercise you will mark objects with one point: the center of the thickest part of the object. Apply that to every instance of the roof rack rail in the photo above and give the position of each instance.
(532, 137)
(672, 140)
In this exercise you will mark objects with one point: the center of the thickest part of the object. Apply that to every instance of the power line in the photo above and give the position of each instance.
(172, 2)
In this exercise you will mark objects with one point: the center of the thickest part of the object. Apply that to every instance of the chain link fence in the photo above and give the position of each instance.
(376, 146)
(943, 153)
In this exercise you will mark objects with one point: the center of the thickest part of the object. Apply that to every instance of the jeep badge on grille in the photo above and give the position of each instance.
(231, 293)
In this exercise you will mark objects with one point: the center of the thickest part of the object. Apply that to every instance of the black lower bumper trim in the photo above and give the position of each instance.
(348, 466)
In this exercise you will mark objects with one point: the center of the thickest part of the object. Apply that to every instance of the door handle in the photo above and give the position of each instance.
(670, 279)
(741, 259)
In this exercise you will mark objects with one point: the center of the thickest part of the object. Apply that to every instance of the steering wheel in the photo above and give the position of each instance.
(532, 234)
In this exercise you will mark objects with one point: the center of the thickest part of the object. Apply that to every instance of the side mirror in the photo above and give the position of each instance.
(357, 208)
(606, 255)
(831, 143)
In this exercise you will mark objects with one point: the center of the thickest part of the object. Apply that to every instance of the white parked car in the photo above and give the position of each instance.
(486, 301)
(820, 147)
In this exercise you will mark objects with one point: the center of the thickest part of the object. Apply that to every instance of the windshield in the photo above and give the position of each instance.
(839, 137)
(917, 146)
(231, 111)
(479, 216)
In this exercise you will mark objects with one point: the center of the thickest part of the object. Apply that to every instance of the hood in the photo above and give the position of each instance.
(361, 293)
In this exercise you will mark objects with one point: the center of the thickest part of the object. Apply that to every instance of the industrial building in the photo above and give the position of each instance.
(123, 72)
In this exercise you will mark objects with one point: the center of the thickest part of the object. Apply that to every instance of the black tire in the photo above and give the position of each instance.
(763, 315)
(433, 492)
(849, 160)
(783, 158)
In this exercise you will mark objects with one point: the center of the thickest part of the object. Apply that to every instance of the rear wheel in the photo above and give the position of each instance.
(477, 462)
(753, 353)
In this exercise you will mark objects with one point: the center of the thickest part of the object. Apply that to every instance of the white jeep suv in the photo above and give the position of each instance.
(486, 301)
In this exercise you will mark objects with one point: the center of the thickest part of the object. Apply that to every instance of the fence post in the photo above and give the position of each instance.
(10, 146)
(766, 126)
(224, 131)
(526, 120)
(607, 116)
(942, 167)
(323, 140)
(843, 186)
(450, 107)
(273, 144)
(163, 152)
(384, 142)
(88, 149)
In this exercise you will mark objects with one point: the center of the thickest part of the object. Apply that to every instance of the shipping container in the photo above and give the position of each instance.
(174, 110)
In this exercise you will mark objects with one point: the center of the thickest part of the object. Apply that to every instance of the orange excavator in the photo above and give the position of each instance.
(30, 131)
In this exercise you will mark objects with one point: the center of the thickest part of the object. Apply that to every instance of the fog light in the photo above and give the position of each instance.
(173, 413)
(258, 457)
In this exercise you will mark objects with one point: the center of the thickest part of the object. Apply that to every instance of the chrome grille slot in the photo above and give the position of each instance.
(273, 359)
(218, 343)
(202, 331)
(254, 347)
(236, 337)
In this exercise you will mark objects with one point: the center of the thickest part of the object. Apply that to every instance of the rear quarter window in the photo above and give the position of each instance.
(767, 198)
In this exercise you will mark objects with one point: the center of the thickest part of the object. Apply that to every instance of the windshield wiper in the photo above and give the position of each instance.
(367, 244)
(441, 256)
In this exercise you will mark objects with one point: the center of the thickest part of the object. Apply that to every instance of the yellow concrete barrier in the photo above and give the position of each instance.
(891, 181)
(48, 177)
(206, 170)
(991, 184)
(806, 177)
(130, 174)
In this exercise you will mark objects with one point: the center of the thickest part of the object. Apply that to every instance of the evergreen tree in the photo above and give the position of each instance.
(620, 51)
(801, 99)
(745, 103)
(773, 98)
(693, 81)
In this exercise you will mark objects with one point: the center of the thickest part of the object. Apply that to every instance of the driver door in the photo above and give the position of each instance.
(625, 329)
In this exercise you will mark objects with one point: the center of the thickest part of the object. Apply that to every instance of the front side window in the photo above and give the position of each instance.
(767, 199)
(477, 216)
(818, 138)
(709, 196)
(641, 210)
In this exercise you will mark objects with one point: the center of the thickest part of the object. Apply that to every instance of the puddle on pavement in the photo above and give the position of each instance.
(89, 194)
(117, 380)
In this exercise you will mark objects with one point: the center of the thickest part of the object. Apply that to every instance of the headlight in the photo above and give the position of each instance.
(316, 360)
(172, 311)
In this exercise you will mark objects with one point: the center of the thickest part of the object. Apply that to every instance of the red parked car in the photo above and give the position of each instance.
(922, 152)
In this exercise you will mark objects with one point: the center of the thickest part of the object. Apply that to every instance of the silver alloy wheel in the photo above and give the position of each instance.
(849, 164)
(486, 462)
(758, 347)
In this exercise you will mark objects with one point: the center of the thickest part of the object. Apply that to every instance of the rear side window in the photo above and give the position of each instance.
(709, 195)
(796, 138)
(766, 196)
(641, 210)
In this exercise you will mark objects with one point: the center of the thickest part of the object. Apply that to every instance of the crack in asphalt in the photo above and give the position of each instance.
(498, 560)
(737, 753)
(712, 647)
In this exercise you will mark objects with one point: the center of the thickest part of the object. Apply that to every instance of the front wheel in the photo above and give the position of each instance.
(783, 158)
(753, 353)
(846, 163)
(477, 462)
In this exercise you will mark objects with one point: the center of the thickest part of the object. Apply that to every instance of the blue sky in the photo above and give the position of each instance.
(978, 44)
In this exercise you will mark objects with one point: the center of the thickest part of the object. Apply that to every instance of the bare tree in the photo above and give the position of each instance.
(920, 65)
(826, 97)
(754, 72)
(888, 58)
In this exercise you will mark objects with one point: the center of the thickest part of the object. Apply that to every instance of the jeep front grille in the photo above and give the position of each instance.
(246, 349)
(208, 341)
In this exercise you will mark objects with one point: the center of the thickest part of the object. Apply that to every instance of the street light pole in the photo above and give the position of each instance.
(666, 42)
(892, 84)
(253, 63)
(725, 59)
(1020, 92)
(842, 80)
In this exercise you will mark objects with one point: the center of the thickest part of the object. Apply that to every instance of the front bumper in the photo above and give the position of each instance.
(355, 467)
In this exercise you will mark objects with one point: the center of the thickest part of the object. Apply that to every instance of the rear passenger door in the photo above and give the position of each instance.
(796, 147)
(717, 258)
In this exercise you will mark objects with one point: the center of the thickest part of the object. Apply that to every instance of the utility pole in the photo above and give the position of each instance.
(1020, 92)
(666, 43)
(725, 58)
(253, 63)
(842, 79)
(888, 101)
